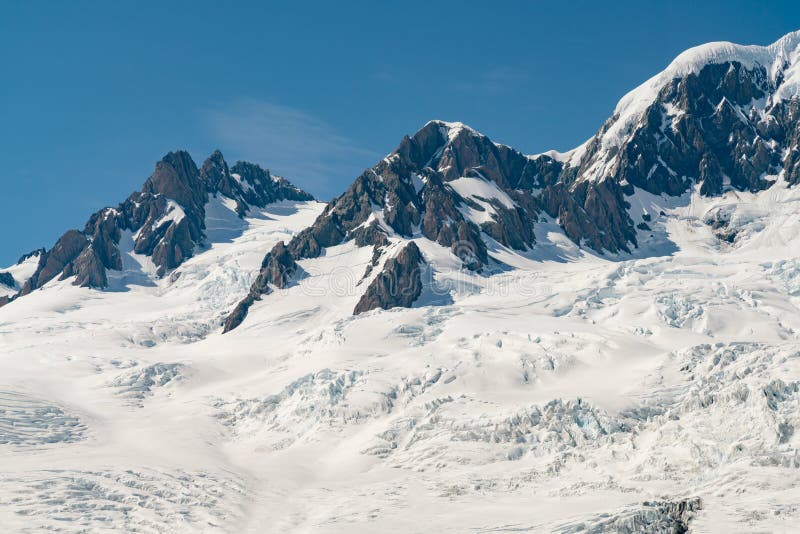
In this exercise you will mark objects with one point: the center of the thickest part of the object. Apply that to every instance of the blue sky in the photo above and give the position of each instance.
(93, 93)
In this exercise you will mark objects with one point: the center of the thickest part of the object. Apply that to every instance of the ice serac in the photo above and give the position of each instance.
(166, 219)
(651, 516)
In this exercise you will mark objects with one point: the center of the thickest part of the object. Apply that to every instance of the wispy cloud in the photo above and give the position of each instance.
(381, 76)
(497, 80)
(290, 142)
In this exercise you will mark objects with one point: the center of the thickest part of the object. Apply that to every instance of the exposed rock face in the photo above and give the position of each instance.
(699, 128)
(277, 268)
(167, 219)
(176, 177)
(216, 176)
(594, 213)
(398, 284)
(247, 183)
(720, 127)
(87, 268)
(105, 232)
(7, 280)
(259, 187)
(51, 264)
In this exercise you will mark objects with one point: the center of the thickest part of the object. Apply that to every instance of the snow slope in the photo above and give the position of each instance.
(594, 393)
(21, 272)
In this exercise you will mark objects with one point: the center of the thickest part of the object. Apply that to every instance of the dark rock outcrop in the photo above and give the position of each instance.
(172, 206)
(87, 268)
(592, 213)
(68, 247)
(261, 187)
(7, 280)
(398, 284)
(176, 177)
(247, 183)
(105, 231)
(277, 268)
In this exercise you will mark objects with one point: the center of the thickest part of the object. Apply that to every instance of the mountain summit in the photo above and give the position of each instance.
(165, 221)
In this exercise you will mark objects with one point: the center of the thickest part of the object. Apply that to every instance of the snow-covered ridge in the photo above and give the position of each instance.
(20, 273)
(452, 129)
(780, 59)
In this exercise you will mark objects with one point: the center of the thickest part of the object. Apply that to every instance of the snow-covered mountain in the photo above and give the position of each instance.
(720, 118)
(468, 338)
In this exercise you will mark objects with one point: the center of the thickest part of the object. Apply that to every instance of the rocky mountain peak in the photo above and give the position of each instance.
(176, 177)
(419, 148)
(455, 150)
(446, 183)
(214, 172)
(166, 219)
(716, 116)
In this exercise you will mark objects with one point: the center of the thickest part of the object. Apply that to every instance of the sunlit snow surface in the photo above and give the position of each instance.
(561, 393)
